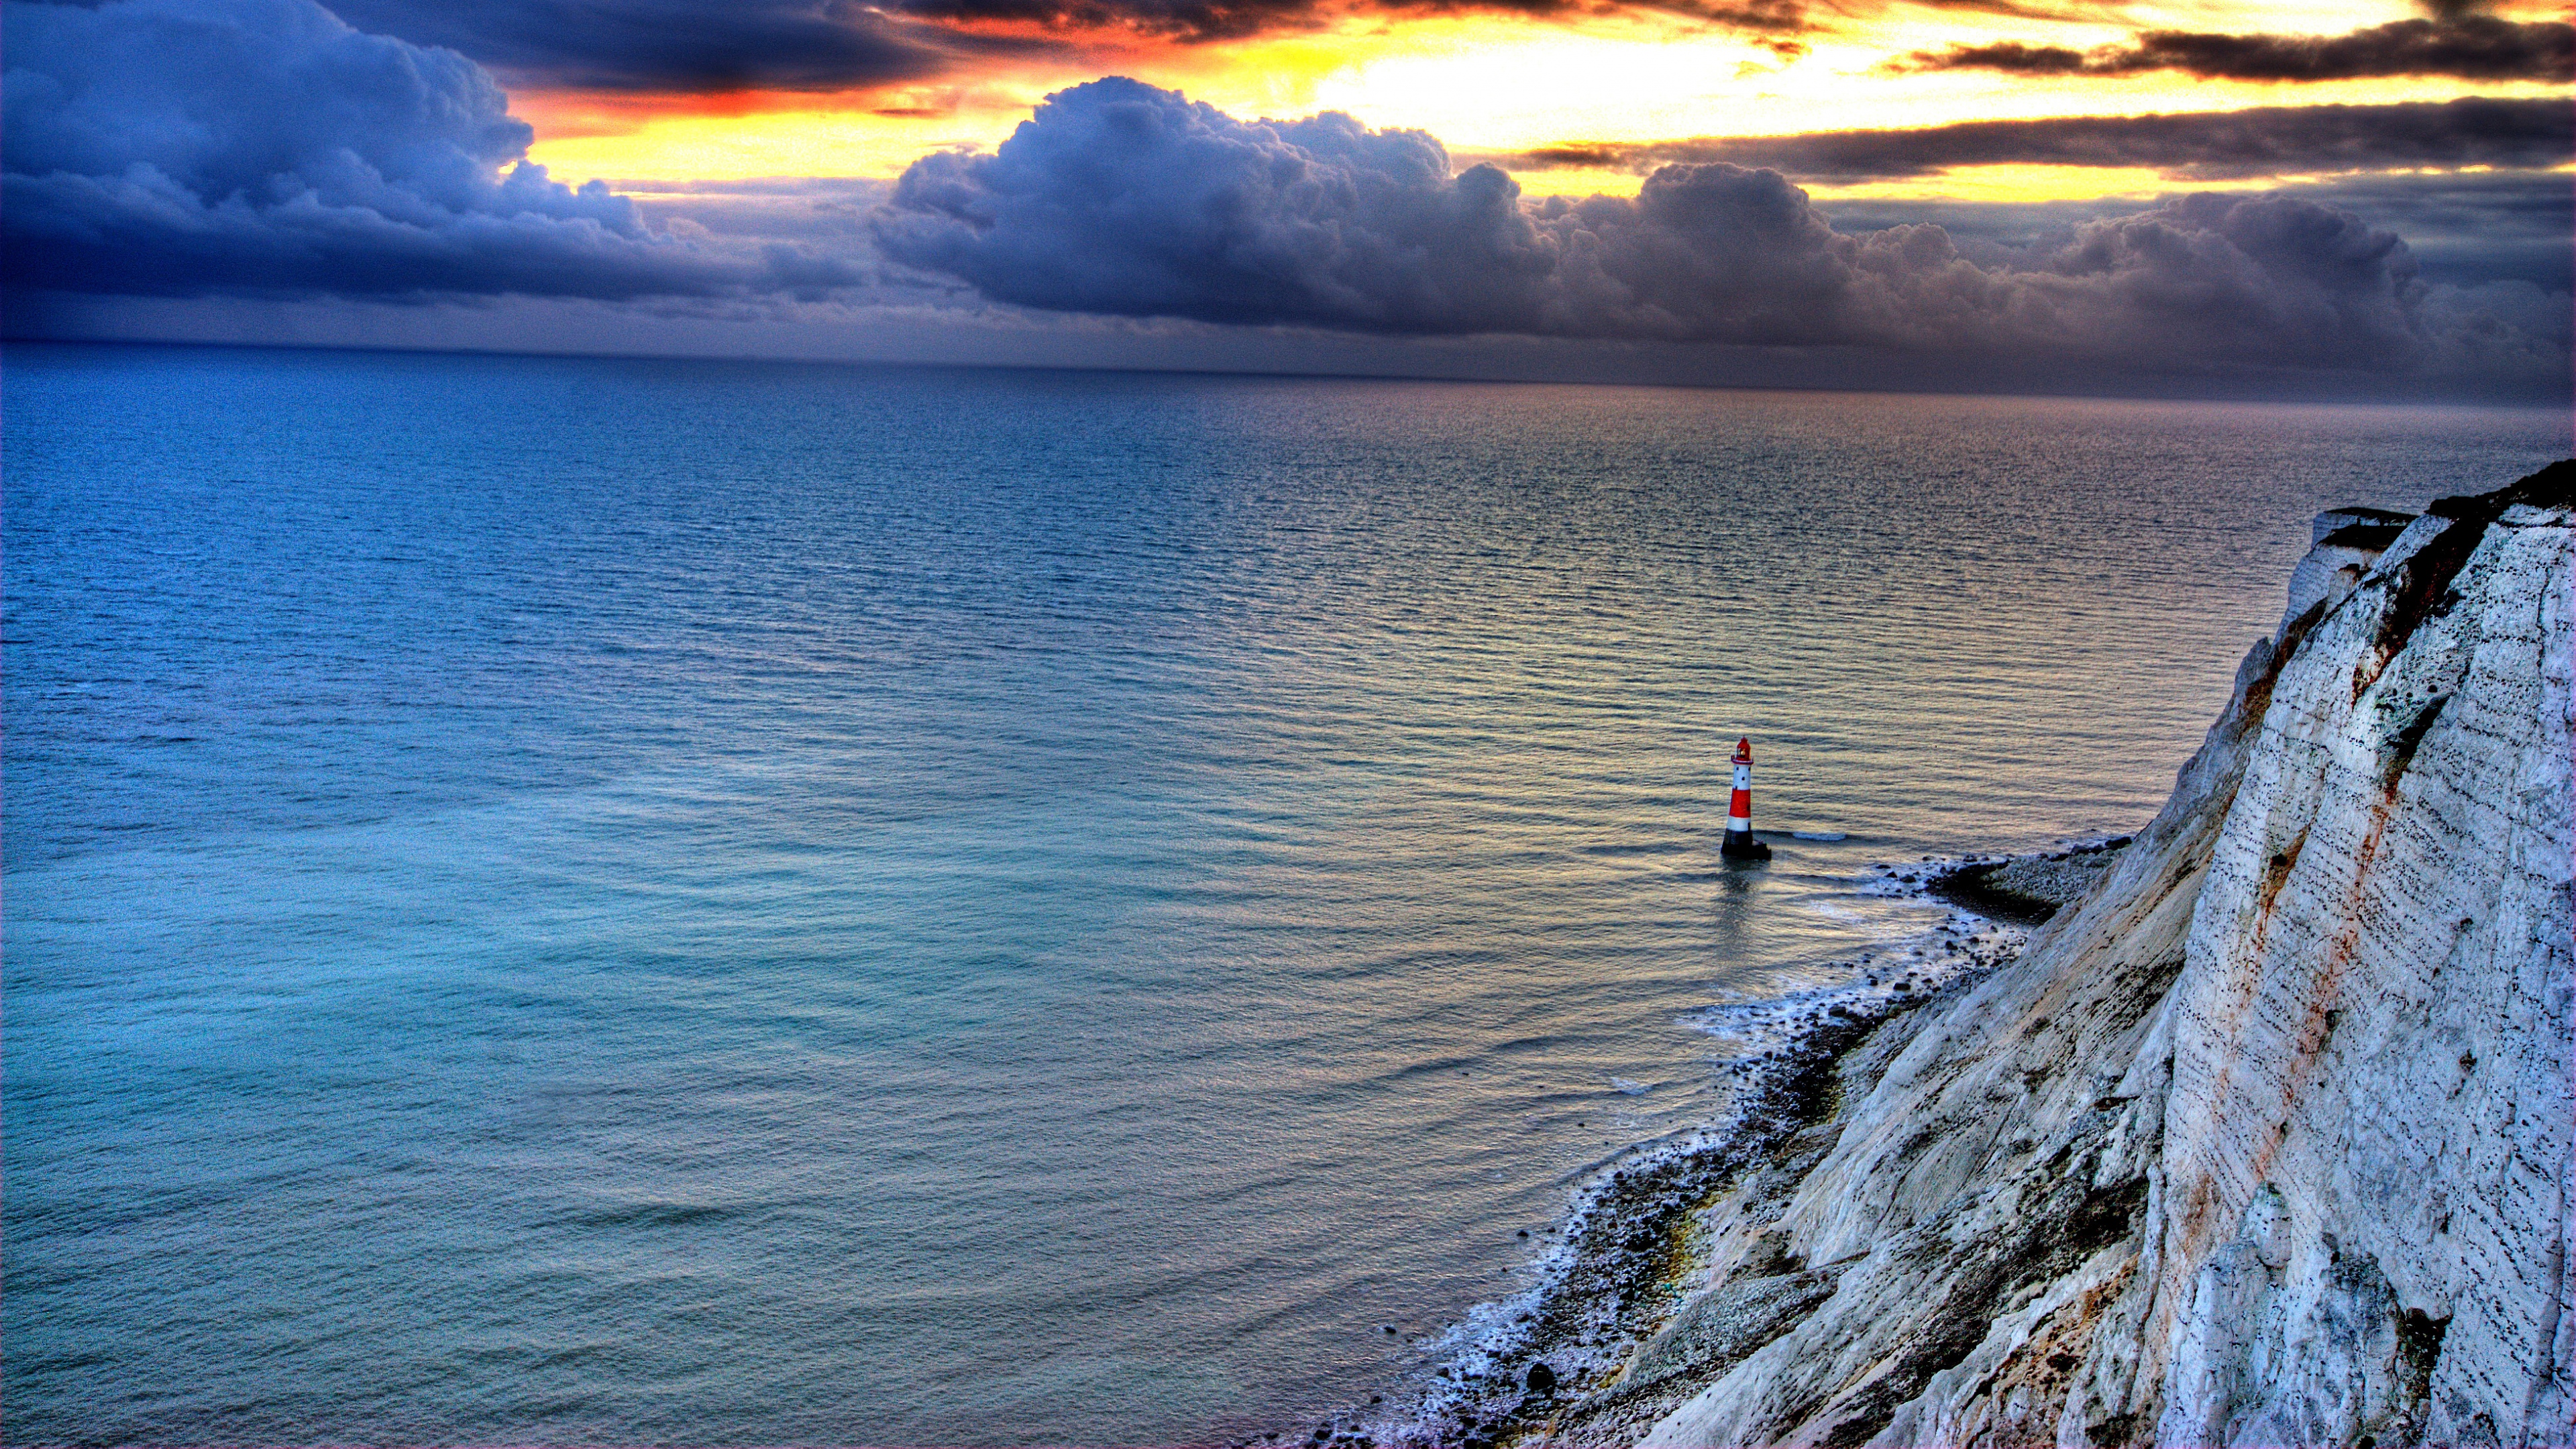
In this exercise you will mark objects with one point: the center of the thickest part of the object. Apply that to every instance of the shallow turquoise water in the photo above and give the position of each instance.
(580, 901)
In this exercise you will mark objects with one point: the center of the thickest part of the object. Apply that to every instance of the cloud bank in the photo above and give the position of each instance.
(263, 152)
(2467, 46)
(1120, 198)
(2210, 145)
(184, 147)
(680, 46)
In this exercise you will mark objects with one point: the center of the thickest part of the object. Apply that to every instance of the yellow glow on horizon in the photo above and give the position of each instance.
(1484, 85)
(801, 136)
(1492, 84)
(2031, 183)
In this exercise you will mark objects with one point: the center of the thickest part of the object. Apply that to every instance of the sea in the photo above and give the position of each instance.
(615, 901)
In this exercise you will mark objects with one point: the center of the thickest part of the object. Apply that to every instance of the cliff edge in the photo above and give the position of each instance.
(2266, 1139)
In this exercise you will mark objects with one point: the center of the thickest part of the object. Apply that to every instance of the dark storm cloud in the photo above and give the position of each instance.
(670, 45)
(2465, 229)
(2456, 43)
(2270, 141)
(2474, 228)
(183, 147)
(1123, 199)
(1195, 21)
(703, 46)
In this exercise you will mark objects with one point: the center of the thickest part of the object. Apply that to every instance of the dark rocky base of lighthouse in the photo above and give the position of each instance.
(1740, 845)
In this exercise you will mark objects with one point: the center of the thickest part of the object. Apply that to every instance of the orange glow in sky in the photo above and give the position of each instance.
(1496, 84)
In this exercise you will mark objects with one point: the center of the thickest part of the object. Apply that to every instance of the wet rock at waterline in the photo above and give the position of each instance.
(2262, 1138)
(2265, 1139)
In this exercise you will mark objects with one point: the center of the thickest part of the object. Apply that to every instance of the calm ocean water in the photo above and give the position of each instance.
(620, 901)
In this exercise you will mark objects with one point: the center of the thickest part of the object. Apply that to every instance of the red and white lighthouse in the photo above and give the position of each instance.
(1740, 844)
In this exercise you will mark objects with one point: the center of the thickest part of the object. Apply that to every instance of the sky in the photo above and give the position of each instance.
(2195, 197)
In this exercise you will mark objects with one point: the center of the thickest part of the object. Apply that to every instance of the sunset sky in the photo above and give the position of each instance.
(272, 170)
(1495, 82)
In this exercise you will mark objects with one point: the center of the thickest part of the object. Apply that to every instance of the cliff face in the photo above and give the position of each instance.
(2267, 1140)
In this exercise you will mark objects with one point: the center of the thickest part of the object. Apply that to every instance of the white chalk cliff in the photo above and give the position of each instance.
(2266, 1141)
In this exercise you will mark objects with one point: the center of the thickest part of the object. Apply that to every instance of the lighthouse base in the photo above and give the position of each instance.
(1740, 845)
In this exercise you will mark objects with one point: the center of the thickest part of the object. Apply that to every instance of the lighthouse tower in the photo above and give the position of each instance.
(1740, 844)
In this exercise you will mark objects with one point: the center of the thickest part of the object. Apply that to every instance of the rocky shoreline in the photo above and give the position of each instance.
(2262, 1135)
(1596, 1352)
(2028, 889)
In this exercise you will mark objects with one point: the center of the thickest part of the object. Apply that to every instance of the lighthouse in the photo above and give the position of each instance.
(1740, 844)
